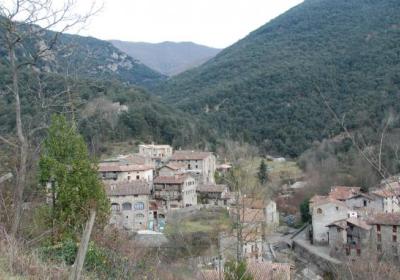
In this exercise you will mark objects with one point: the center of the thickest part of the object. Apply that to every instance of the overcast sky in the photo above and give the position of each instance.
(215, 23)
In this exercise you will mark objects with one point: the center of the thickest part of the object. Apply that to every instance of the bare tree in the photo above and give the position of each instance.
(20, 20)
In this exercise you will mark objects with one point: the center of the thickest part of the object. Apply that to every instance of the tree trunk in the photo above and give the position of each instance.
(23, 146)
(80, 258)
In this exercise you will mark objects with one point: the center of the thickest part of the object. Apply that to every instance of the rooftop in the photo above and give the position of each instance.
(128, 188)
(175, 165)
(388, 190)
(154, 146)
(122, 167)
(190, 155)
(385, 219)
(344, 193)
(177, 179)
(211, 188)
(321, 200)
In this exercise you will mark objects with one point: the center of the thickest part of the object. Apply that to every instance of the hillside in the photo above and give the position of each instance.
(265, 88)
(168, 58)
(85, 57)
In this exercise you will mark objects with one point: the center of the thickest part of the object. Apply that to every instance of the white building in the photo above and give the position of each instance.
(324, 211)
(129, 204)
(201, 165)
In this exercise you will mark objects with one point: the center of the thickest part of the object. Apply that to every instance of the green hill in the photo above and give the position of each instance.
(264, 89)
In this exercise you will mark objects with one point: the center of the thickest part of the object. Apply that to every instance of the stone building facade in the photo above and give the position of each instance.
(125, 172)
(174, 192)
(129, 204)
(201, 165)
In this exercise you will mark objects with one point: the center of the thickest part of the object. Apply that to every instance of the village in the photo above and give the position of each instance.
(150, 188)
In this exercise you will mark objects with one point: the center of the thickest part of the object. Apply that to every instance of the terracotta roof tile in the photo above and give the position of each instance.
(177, 179)
(344, 193)
(389, 190)
(385, 219)
(128, 188)
(119, 167)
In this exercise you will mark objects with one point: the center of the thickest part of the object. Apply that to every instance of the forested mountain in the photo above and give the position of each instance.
(84, 57)
(169, 58)
(95, 83)
(105, 111)
(270, 88)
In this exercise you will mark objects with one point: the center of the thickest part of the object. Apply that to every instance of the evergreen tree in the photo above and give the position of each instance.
(262, 173)
(305, 211)
(72, 178)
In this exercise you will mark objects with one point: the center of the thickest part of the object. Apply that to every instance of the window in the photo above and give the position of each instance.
(319, 211)
(394, 238)
(139, 216)
(137, 177)
(115, 207)
(358, 251)
(365, 203)
(129, 178)
(394, 229)
(379, 248)
(337, 208)
(378, 228)
(139, 206)
(126, 206)
(379, 237)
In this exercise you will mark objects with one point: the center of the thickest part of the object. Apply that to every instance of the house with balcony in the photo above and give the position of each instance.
(173, 192)
(213, 194)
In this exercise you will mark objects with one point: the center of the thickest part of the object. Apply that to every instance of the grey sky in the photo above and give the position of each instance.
(216, 23)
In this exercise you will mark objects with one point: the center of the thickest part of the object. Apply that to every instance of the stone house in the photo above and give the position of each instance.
(348, 237)
(385, 235)
(201, 165)
(325, 211)
(268, 207)
(388, 197)
(174, 192)
(352, 196)
(157, 153)
(129, 204)
(213, 194)
(125, 172)
(172, 169)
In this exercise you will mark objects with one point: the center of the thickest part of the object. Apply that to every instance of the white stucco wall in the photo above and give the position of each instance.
(331, 212)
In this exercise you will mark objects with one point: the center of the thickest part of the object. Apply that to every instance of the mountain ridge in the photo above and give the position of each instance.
(169, 58)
